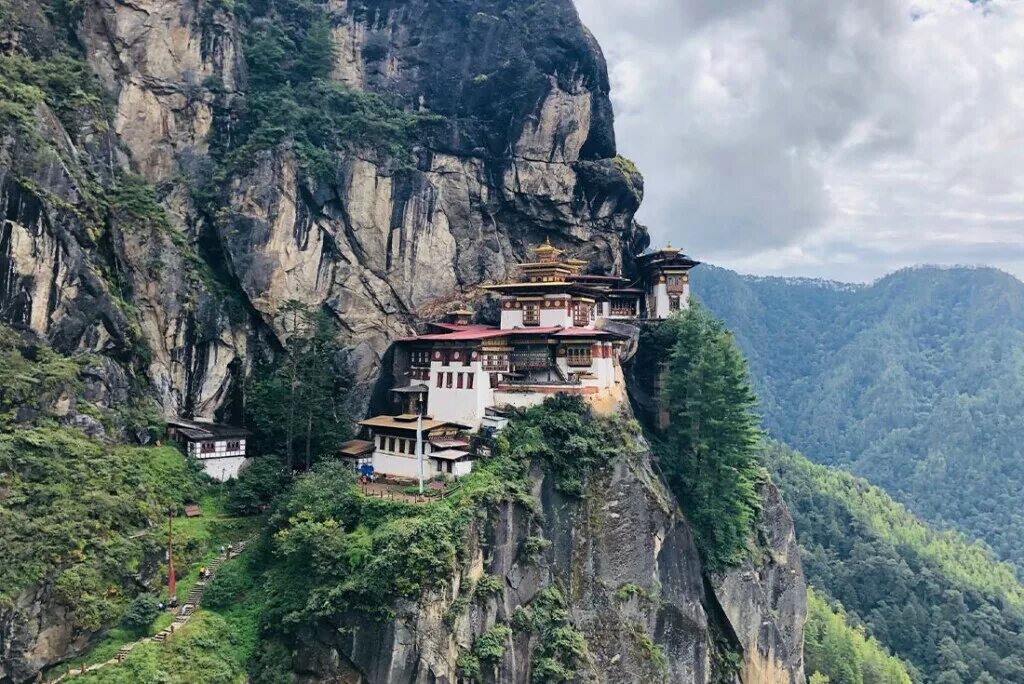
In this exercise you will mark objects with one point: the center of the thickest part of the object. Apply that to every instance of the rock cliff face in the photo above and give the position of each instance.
(625, 562)
(107, 246)
(524, 150)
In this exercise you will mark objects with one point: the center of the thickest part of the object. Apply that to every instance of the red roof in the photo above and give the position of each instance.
(486, 332)
(455, 326)
(464, 333)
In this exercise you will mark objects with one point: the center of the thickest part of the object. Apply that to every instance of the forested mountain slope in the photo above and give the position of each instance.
(937, 600)
(915, 382)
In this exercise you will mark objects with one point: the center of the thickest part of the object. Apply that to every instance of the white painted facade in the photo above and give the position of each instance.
(604, 310)
(400, 465)
(552, 311)
(459, 468)
(519, 399)
(221, 459)
(600, 373)
(400, 461)
(660, 299)
(459, 393)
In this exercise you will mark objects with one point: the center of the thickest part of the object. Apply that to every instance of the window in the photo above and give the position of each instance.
(579, 356)
(623, 307)
(440, 379)
(401, 446)
(673, 302)
(207, 447)
(494, 362)
(675, 283)
(459, 380)
(234, 446)
(531, 314)
(469, 381)
(448, 380)
(391, 444)
(580, 315)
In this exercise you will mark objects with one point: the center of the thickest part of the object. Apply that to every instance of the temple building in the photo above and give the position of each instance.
(552, 338)
(666, 276)
(394, 443)
(219, 448)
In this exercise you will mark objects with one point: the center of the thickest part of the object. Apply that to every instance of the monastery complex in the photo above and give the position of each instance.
(554, 337)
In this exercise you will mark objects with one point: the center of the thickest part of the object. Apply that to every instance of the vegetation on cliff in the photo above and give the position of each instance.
(709, 451)
(83, 519)
(290, 56)
(935, 599)
(330, 553)
(915, 382)
(78, 514)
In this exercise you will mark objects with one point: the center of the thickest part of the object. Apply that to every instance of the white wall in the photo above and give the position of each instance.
(400, 465)
(511, 318)
(660, 301)
(519, 399)
(552, 317)
(459, 405)
(224, 469)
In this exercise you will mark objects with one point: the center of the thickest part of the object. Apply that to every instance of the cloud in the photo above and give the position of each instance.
(823, 137)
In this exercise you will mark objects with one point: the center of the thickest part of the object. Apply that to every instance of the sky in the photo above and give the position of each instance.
(823, 138)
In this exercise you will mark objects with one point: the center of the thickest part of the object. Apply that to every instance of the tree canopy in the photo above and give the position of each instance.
(709, 451)
(937, 600)
(295, 402)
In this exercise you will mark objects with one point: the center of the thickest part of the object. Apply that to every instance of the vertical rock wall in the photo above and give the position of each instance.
(625, 561)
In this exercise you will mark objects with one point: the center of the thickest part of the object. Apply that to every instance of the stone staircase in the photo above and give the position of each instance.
(187, 610)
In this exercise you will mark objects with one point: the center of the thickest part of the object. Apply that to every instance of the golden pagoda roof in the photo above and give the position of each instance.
(546, 248)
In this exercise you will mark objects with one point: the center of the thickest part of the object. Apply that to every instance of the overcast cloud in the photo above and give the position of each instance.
(823, 138)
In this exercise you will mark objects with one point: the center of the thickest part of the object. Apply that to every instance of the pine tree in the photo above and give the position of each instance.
(296, 403)
(710, 450)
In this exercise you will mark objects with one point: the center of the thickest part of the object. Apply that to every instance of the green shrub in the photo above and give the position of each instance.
(489, 585)
(534, 548)
(141, 613)
(258, 483)
(232, 581)
(565, 435)
(647, 649)
(490, 646)
(561, 648)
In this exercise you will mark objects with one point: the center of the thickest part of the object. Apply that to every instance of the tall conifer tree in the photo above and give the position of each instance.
(709, 453)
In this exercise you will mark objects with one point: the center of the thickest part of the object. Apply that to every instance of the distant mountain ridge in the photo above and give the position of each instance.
(915, 382)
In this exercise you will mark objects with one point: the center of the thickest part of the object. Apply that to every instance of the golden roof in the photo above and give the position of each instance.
(546, 248)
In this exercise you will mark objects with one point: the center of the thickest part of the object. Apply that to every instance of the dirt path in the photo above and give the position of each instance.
(187, 610)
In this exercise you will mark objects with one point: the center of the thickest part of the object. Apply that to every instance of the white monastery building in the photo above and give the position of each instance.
(550, 340)
(219, 448)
